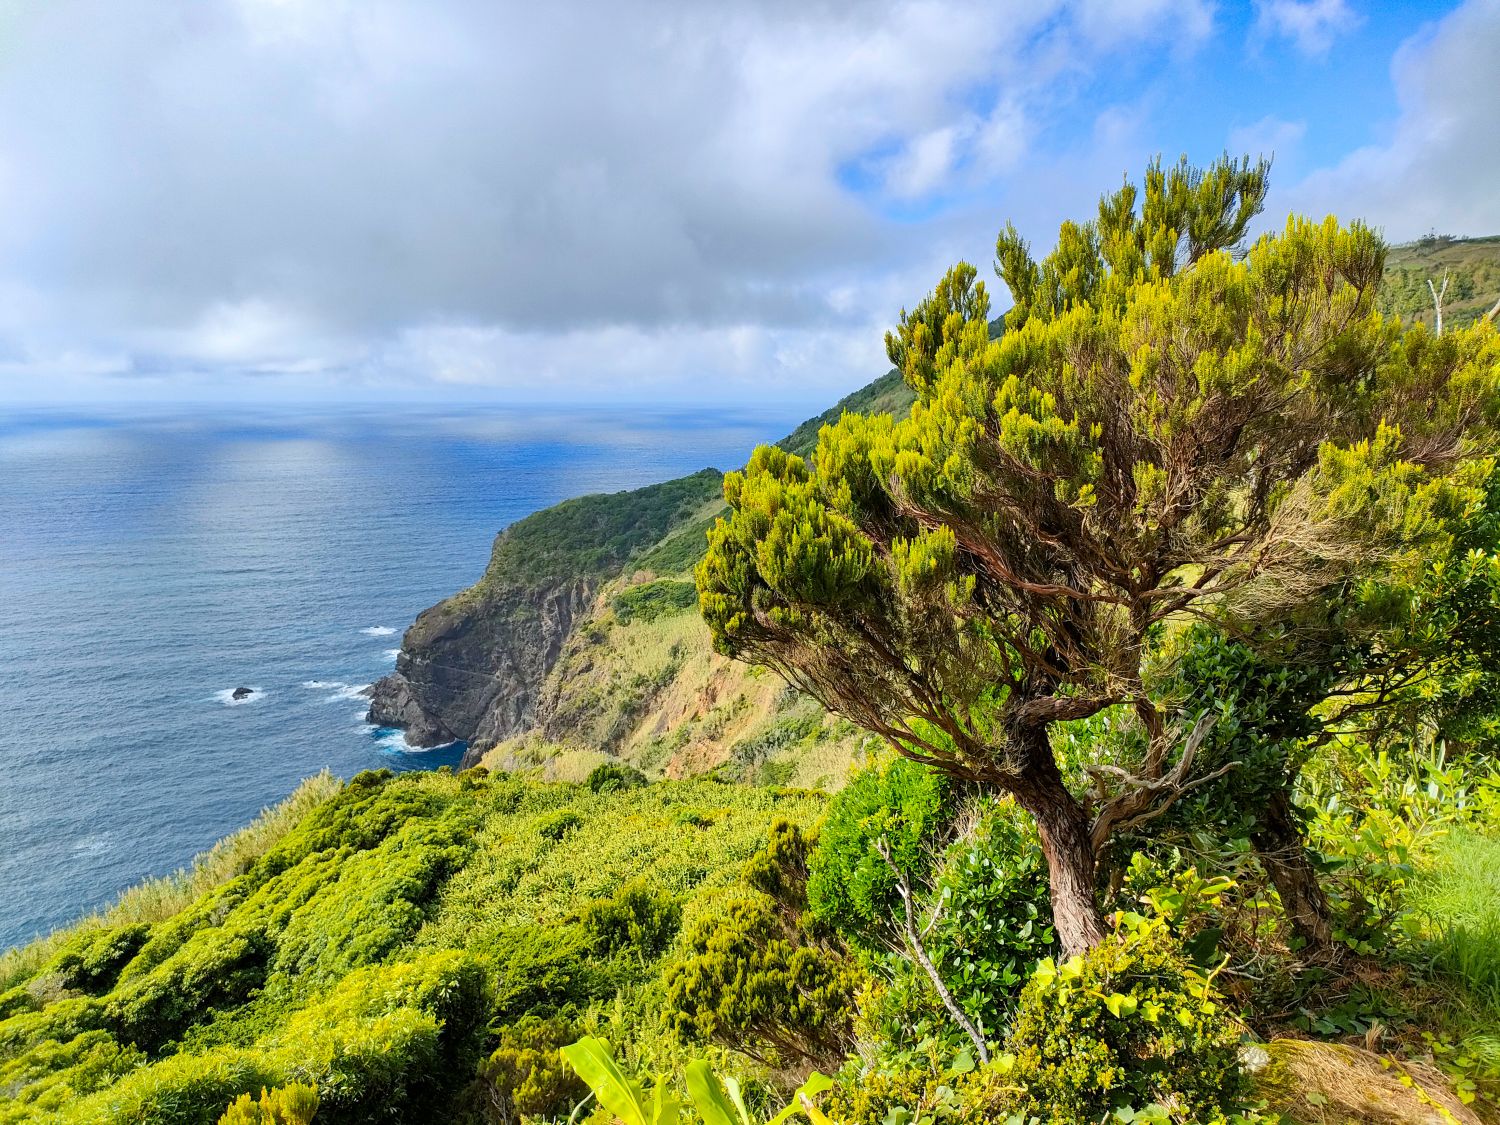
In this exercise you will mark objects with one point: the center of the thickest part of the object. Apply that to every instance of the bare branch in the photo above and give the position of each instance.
(919, 952)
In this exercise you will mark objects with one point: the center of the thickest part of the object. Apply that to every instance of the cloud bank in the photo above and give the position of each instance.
(661, 199)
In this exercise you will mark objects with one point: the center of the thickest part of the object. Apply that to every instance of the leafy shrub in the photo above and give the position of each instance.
(927, 1093)
(285, 1105)
(849, 886)
(651, 600)
(556, 826)
(610, 777)
(751, 980)
(527, 1075)
(637, 917)
(547, 969)
(92, 960)
(215, 967)
(1129, 1025)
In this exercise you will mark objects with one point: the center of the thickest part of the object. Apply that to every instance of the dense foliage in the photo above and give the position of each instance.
(369, 949)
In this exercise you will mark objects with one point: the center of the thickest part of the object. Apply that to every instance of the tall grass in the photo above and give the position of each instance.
(1458, 901)
(158, 899)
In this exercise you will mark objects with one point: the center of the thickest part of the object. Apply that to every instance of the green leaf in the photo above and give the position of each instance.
(592, 1059)
(712, 1104)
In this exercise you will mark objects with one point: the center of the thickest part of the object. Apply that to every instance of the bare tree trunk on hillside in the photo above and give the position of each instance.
(1437, 299)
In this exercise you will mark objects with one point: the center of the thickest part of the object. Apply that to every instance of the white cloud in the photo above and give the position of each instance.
(1310, 25)
(476, 189)
(1439, 164)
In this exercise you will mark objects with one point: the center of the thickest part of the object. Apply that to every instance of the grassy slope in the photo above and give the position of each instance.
(364, 943)
(1473, 268)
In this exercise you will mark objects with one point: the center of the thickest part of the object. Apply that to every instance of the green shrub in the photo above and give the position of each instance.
(611, 777)
(1129, 1025)
(92, 960)
(556, 825)
(929, 1093)
(637, 917)
(214, 968)
(651, 600)
(547, 969)
(849, 886)
(527, 1074)
(749, 979)
(285, 1105)
(995, 921)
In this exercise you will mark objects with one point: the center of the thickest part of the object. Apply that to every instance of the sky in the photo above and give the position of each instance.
(648, 202)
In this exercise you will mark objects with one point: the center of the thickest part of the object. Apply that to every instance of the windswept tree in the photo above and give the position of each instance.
(1170, 430)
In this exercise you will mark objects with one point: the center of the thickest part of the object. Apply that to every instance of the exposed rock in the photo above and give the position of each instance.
(471, 666)
(241, 693)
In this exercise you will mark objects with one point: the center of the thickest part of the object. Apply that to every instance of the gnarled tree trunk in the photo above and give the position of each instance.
(1063, 824)
(1279, 846)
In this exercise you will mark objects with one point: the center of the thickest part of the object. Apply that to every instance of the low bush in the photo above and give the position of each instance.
(1128, 1026)
(637, 917)
(527, 1076)
(286, 1105)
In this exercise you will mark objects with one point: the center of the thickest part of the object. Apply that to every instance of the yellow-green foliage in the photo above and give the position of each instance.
(1131, 1024)
(286, 1105)
(527, 1073)
(365, 951)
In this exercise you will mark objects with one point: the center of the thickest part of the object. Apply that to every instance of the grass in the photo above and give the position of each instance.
(1457, 902)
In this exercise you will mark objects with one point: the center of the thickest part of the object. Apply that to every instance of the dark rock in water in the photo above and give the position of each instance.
(241, 693)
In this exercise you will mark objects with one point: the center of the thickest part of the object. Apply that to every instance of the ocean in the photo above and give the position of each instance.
(151, 564)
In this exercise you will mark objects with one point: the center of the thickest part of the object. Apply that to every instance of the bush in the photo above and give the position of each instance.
(751, 980)
(637, 917)
(527, 1075)
(91, 961)
(996, 920)
(1129, 1025)
(557, 825)
(611, 777)
(849, 886)
(651, 600)
(286, 1105)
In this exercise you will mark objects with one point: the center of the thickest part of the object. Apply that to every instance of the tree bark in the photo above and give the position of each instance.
(1279, 846)
(1063, 825)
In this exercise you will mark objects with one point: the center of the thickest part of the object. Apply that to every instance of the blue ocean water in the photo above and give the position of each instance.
(151, 564)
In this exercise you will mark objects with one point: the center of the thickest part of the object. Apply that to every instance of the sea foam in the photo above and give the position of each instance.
(378, 631)
(227, 698)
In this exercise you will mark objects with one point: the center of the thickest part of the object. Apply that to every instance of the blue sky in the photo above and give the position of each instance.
(660, 201)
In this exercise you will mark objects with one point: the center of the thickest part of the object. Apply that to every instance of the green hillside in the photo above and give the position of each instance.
(1472, 266)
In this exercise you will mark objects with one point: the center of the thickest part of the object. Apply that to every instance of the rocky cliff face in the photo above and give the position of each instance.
(470, 667)
(483, 666)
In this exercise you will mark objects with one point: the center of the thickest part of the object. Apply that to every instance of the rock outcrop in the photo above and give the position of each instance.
(470, 667)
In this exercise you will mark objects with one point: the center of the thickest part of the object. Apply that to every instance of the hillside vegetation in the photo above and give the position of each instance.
(1138, 676)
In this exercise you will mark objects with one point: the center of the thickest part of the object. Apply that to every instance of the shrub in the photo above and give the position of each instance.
(749, 979)
(214, 968)
(1130, 1024)
(610, 777)
(527, 1075)
(651, 600)
(285, 1105)
(557, 825)
(547, 969)
(636, 917)
(92, 960)
(849, 886)
(996, 916)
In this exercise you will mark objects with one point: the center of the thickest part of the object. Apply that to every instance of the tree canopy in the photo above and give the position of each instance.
(1172, 429)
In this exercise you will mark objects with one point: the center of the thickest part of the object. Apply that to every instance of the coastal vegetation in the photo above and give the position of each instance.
(1092, 721)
